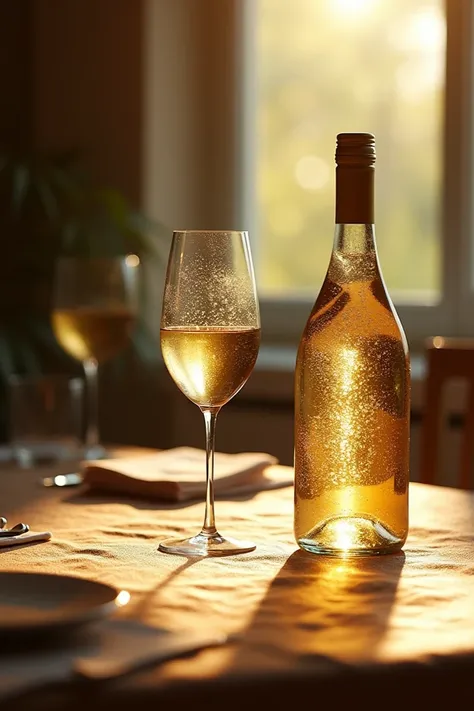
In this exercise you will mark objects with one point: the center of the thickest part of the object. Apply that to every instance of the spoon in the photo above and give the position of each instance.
(17, 530)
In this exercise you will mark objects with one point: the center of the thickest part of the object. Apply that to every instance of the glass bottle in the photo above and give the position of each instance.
(352, 387)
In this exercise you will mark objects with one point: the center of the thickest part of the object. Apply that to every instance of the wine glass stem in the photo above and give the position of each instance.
(92, 427)
(210, 417)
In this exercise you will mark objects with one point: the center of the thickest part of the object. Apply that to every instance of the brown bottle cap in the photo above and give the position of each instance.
(355, 149)
(355, 158)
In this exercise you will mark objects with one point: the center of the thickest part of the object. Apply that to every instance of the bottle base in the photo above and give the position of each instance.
(350, 536)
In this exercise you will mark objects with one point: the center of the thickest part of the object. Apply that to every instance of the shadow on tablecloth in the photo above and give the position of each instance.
(324, 611)
(83, 496)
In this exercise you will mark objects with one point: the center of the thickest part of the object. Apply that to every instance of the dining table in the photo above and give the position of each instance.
(365, 632)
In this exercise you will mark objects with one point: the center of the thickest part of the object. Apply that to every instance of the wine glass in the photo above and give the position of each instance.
(210, 336)
(95, 302)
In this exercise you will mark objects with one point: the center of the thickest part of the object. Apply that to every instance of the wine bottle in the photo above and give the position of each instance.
(352, 386)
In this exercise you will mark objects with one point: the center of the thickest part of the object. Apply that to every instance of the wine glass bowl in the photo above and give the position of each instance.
(210, 336)
(93, 333)
(95, 303)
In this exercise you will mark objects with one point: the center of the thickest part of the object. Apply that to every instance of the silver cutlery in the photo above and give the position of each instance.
(72, 479)
(17, 530)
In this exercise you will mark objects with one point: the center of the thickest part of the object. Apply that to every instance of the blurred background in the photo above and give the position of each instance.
(159, 114)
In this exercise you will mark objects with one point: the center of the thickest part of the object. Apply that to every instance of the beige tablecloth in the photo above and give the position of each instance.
(305, 623)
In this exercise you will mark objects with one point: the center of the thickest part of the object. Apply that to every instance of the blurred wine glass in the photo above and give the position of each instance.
(210, 336)
(94, 309)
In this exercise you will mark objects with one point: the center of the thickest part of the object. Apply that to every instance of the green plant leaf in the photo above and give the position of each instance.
(41, 335)
(27, 355)
(154, 237)
(7, 357)
(57, 210)
(115, 206)
(21, 182)
(144, 344)
(48, 200)
(69, 236)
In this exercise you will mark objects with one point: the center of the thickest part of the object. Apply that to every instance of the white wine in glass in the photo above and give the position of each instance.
(94, 310)
(210, 336)
(98, 333)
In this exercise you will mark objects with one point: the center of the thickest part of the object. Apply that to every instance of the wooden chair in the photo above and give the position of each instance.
(447, 358)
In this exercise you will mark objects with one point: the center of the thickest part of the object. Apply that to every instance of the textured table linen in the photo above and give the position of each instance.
(321, 626)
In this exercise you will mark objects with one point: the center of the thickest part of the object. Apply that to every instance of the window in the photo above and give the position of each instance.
(349, 65)
(397, 68)
(246, 98)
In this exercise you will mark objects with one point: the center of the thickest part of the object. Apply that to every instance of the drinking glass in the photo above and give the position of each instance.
(95, 303)
(210, 336)
(45, 418)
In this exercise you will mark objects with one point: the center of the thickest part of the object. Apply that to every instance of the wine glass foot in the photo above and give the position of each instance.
(203, 546)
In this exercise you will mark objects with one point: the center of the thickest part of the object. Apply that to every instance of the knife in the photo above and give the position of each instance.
(72, 479)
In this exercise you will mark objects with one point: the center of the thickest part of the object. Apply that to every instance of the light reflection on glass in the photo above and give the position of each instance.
(132, 260)
(348, 416)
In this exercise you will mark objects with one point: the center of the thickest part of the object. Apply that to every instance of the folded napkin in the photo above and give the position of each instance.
(179, 474)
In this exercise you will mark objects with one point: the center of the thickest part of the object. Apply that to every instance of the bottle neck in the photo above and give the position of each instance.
(355, 239)
(355, 233)
(354, 195)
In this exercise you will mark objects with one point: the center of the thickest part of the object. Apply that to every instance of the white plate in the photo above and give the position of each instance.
(34, 602)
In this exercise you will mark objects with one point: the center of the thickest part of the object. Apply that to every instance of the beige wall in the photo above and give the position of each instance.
(193, 112)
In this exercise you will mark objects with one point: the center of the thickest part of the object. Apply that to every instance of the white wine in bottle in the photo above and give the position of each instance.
(352, 387)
